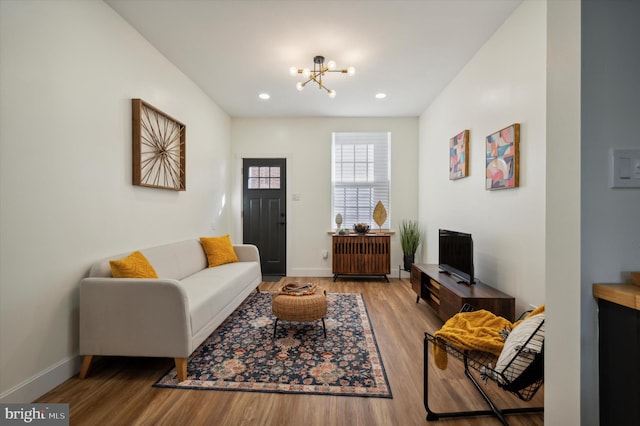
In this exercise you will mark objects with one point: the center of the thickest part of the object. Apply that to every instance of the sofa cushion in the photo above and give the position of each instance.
(177, 260)
(219, 250)
(210, 290)
(133, 266)
(174, 261)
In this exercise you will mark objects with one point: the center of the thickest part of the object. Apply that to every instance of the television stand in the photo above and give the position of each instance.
(446, 295)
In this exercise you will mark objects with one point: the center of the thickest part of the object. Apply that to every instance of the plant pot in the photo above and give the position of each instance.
(408, 261)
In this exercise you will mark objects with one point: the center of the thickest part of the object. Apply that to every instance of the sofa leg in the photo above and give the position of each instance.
(86, 364)
(181, 369)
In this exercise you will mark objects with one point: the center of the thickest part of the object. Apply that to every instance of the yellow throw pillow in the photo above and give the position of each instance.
(219, 250)
(133, 266)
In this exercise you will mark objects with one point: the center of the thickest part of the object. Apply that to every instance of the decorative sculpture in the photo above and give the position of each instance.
(338, 221)
(379, 214)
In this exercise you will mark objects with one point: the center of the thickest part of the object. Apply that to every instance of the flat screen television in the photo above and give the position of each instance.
(455, 255)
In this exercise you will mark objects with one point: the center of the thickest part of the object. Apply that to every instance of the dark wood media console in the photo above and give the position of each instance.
(356, 254)
(446, 296)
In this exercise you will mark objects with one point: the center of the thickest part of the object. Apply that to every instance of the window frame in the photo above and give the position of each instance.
(368, 179)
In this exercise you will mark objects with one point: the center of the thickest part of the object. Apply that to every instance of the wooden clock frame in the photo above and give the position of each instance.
(159, 143)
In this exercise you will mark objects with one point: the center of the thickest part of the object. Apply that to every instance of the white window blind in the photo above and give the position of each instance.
(360, 177)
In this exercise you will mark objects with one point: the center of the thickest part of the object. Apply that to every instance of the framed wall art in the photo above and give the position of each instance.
(459, 155)
(159, 143)
(503, 158)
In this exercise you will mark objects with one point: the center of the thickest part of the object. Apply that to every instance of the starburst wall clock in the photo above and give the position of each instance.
(158, 148)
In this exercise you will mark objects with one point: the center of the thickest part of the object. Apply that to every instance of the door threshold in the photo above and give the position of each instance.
(272, 278)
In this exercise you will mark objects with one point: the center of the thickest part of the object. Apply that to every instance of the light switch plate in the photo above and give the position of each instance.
(625, 168)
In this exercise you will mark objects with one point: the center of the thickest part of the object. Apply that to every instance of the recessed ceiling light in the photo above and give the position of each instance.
(381, 95)
(264, 96)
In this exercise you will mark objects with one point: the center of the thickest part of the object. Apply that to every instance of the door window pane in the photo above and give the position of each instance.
(263, 178)
(253, 183)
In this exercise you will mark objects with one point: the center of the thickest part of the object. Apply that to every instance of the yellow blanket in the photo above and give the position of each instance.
(477, 330)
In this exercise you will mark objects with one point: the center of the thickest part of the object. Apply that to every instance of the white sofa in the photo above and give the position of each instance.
(168, 316)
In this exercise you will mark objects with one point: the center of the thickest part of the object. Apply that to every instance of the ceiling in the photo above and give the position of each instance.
(236, 49)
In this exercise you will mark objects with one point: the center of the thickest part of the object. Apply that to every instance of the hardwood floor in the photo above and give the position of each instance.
(118, 390)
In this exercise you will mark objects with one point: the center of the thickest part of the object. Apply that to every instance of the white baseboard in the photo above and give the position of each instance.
(36, 386)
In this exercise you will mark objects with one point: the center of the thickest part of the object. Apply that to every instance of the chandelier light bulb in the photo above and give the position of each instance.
(306, 73)
(332, 94)
(331, 65)
(299, 86)
(293, 71)
(351, 71)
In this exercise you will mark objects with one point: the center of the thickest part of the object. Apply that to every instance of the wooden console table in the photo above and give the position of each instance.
(356, 254)
(446, 296)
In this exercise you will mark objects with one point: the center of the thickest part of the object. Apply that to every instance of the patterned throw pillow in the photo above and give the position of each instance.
(219, 250)
(522, 356)
(133, 266)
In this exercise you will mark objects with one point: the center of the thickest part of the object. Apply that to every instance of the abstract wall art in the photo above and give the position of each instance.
(459, 155)
(503, 162)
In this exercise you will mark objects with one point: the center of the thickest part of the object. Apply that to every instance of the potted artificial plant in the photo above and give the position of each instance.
(410, 238)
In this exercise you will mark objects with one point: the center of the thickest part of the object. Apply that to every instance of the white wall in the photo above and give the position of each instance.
(529, 72)
(68, 72)
(504, 83)
(306, 144)
(610, 217)
(562, 340)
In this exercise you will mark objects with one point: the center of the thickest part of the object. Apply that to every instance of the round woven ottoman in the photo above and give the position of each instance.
(300, 308)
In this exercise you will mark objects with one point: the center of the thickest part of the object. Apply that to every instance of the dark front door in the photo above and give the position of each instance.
(264, 211)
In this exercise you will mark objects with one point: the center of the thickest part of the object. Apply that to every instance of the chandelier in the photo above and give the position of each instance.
(319, 70)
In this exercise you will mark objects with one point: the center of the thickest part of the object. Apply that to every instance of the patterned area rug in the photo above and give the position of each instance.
(242, 354)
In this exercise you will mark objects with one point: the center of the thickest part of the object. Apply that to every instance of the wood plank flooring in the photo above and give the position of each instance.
(118, 390)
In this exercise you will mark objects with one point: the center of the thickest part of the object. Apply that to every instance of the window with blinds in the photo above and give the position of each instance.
(360, 177)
